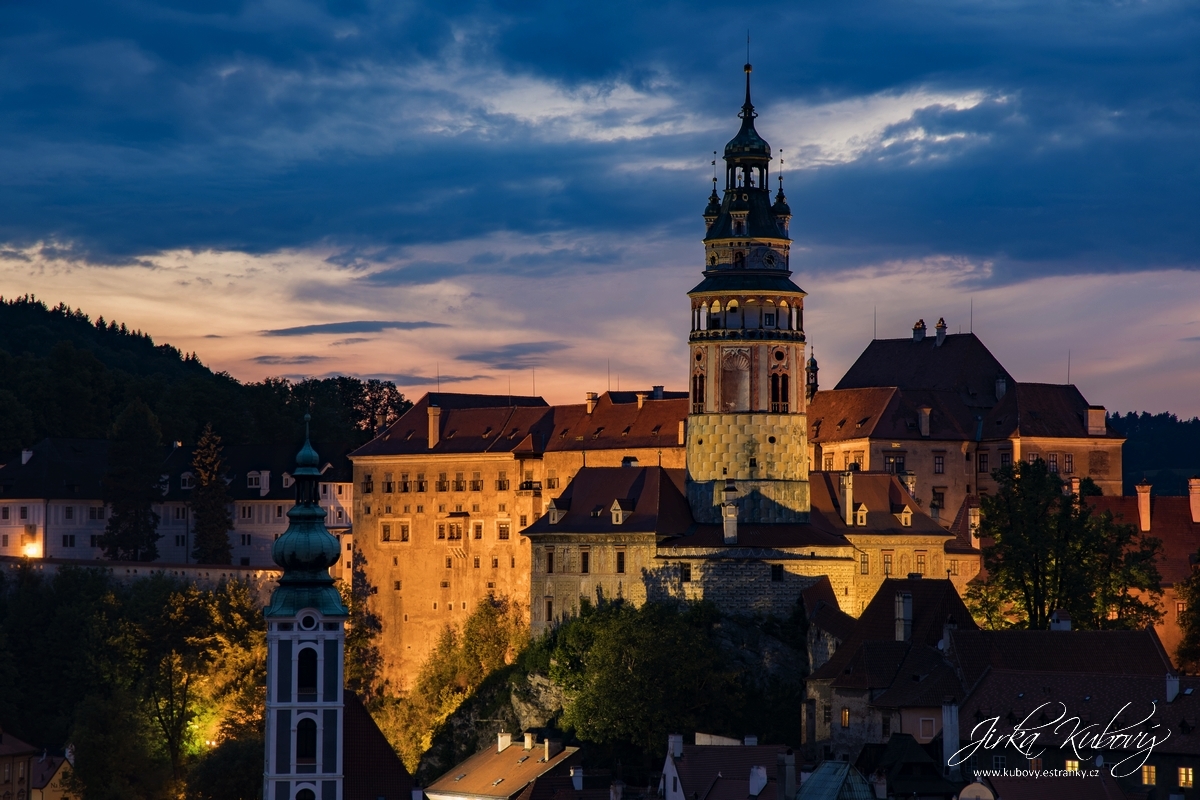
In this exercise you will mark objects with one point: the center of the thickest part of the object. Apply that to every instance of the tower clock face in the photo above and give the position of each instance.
(770, 260)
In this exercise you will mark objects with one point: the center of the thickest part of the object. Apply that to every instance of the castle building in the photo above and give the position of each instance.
(305, 653)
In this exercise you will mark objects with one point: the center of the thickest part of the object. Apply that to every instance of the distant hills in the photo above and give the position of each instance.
(63, 374)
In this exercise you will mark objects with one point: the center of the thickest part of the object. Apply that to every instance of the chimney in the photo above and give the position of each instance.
(675, 745)
(1143, 495)
(1060, 620)
(682, 431)
(751, 740)
(1001, 387)
(577, 778)
(729, 512)
(641, 398)
(923, 420)
(656, 392)
(758, 780)
(1096, 423)
(909, 479)
(941, 331)
(25, 456)
(950, 733)
(435, 426)
(553, 748)
(1172, 687)
(848, 498)
(904, 614)
(948, 628)
(919, 331)
(590, 401)
(1194, 498)
(785, 778)
(503, 741)
(528, 741)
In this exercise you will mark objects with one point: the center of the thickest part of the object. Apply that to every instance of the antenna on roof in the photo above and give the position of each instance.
(1068, 366)
(534, 371)
(438, 368)
(972, 314)
(874, 320)
(610, 375)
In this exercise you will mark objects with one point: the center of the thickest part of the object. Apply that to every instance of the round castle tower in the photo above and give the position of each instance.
(305, 652)
(746, 431)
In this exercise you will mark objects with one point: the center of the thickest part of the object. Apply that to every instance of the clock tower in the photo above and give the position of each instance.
(746, 449)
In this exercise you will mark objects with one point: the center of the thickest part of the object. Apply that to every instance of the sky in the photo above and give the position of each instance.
(507, 196)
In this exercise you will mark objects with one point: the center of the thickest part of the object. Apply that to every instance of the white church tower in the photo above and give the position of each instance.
(305, 647)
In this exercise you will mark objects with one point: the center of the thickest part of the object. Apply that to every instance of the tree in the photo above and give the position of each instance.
(1188, 592)
(132, 485)
(363, 661)
(1052, 552)
(210, 502)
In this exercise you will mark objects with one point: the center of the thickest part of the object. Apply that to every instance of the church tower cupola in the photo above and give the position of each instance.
(305, 652)
(747, 427)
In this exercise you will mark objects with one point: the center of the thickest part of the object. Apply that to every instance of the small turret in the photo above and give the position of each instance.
(810, 378)
(714, 207)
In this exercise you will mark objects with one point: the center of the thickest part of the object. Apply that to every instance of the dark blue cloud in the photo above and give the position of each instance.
(272, 359)
(135, 128)
(522, 356)
(354, 326)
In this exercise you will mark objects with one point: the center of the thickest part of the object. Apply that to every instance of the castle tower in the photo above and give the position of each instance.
(747, 421)
(305, 648)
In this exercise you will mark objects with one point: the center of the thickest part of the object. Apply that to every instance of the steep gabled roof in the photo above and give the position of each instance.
(496, 773)
(658, 504)
(962, 364)
(888, 413)
(702, 768)
(617, 422)
(1041, 409)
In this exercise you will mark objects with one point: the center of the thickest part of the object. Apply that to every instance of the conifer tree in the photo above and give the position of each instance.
(210, 502)
(132, 485)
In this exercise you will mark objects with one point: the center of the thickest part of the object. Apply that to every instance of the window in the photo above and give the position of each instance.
(422, 484)
(502, 508)
(939, 499)
(246, 512)
(845, 717)
(339, 513)
(620, 562)
(768, 320)
(306, 741)
(460, 485)
(388, 484)
(502, 530)
(405, 483)
(23, 512)
(551, 479)
(1186, 777)
(476, 562)
(278, 512)
(1071, 765)
(999, 762)
(441, 530)
(827, 713)
(502, 481)
(887, 726)
(887, 564)
(69, 512)
(95, 512)
(306, 674)
(549, 562)
(187, 481)
(1052, 462)
(893, 464)
(921, 563)
(926, 728)
(685, 573)
(386, 532)
(68, 540)
(1180, 608)
(776, 573)
(495, 563)
(4, 512)
(585, 562)
(512, 562)
(779, 394)
(952, 566)
(1149, 775)
(476, 482)
(857, 458)
(828, 462)
(864, 564)
(1068, 463)
(253, 480)
(454, 531)
(983, 462)
(95, 540)
(1032, 459)
(1035, 764)
(396, 586)
(449, 562)
(247, 540)
(524, 520)
(180, 540)
(4, 541)
(549, 610)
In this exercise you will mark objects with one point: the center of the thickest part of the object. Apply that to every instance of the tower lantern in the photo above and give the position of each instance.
(747, 426)
(305, 652)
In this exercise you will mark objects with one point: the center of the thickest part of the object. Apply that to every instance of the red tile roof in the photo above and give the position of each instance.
(722, 772)
(883, 495)
(656, 494)
(500, 774)
(888, 413)
(12, 746)
(1041, 409)
(1170, 521)
(373, 770)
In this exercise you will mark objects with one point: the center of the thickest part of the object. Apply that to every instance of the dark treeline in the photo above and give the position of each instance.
(64, 374)
(1160, 448)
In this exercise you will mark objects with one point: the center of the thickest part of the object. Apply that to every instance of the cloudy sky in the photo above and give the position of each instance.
(510, 193)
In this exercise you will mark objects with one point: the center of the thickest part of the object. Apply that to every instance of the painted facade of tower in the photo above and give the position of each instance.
(305, 653)
(746, 431)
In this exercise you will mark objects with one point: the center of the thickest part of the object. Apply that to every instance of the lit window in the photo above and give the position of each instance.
(1068, 463)
(1180, 608)
(1186, 777)
(1053, 462)
(1071, 766)
(845, 717)
(1035, 764)
(502, 530)
(1149, 775)
(921, 563)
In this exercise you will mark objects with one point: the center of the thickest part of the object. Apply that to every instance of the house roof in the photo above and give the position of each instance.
(1170, 522)
(923, 679)
(721, 772)
(500, 424)
(824, 612)
(1101, 787)
(1092, 652)
(909, 768)
(835, 780)
(58, 469)
(1041, 409)
(962, 364)
(44, 770)
(888, 413)
(373, 770)
(871, 656)
(12, 746)
(243, 459)
(882, 494)
(656, 495)
(499, 773)
(1016, 695)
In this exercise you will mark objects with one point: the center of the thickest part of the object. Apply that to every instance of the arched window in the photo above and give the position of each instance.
(306, 794)
(714, 315)
(785, 316)
(306, 742)
(306, 675)
(739, 260)
(732, 320)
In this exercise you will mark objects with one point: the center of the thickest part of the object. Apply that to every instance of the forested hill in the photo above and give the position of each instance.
(1160, 448)
(63, 374)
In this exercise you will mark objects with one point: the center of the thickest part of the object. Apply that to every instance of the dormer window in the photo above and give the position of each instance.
(860, 515)
(904, 514)
(288, 480)
(253, 480)
(557, 510)
(619, 512)
(187, 481)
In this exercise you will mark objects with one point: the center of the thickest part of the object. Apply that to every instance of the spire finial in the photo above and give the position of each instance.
(307, 419)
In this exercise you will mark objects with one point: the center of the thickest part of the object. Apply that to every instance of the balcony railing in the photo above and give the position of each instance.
(476, 486)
